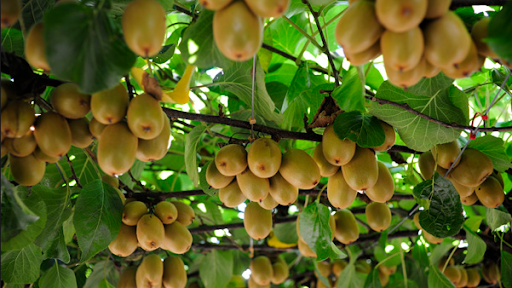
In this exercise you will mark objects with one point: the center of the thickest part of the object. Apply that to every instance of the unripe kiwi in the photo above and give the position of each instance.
(268, 8)
(175, 275)
(364, 160)
(52, 134)
(133, 211)
(427, 165)
(453, 274)
(215, 178)
(347, 230)
(338, 266)
(214, 4)
(282, 191)
(479, 32)
(383, 269)
(109, 106)
(69, 102)
(473, 277)
(144, 115)
(16, 119)
(442, 262)
(144, 27)
(470, 200)
(150, 232)
(35, 48)
(474, 167)
(400, 15)
(324, 268)
(470, 64)
(445, 154)
(125, 242)
(299, 169)
(358, 28)
(495, 174)
(261, 270)
(463, 277)
(406, 79)
(254, 188)
(268, 203)
(383, 190)
(116, 149)
(378, 216)
(81, 136)
(264, 158)
(237, 32)
(431, 238)
(186, 214)
(177, 238)
(41, 156)
(231, 160)
(360, 58)
(252, 284)
(326, 168)
(166, 211)
(11, 10)
(21, 147)
(231, 195)
(430, 70)
(155, 149)
(490, 193)
(437, 8)
(96, 128)
(150, 271)
(305, 250)
(402, 51)
(463, 191)
(336, 151)
(280, 273)
(340, 195)
(257, 221)
(390, 137)
(383, 279)
(27, 171)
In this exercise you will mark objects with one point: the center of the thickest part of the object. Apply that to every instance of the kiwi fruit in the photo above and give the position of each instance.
(430, 70)
(252, 284)
(280, 273)
(453, 274)
(127, 278)
(231, 160)
(324, 268)
(406, 79)
(268, 203)
(116, 149)
(463, 277)
(53, 135)
(490, 193)
(16, 119)
(305, 250)
(338, 266)
(69, 102)
(479, 32)
(336, 151)
(231, 195)
(463, 191)
(125, 242)
(166, 212)
(177, 238)
(41, 156)
(474, 167)
(175, 275)
(21, 147)
(186, 214)
(416, 220)
(144, 27)
(215, 179)
(95, 127)
(347, 230)
(150, 271)
(358, 28)
(144, 115)
(109, 106)
(431, 238)
(81, 136)
(340, 195)
(465, 68)
(437, 8)
(35, 48)
(383, 190)
(446, 154)
(495, 174)
(364, 160)
(264, 158)
(469, 200)
(133, 211)
(150, 232)
(27, 171)
(387, 270)
(155, 149)
(282, 191)
(257, 221)
(402, 51)
(390, 137)
(299, 169)
(326, 168)
(442, 262)
(215, 4)
(401, 15)
(427, 165)
(11, 11)
(378, 216)
(383, 279)
(268, 8)
(447, 42)
(261, 270)
(473, 277)
(237, 32)
(254, 188)
(360, 58)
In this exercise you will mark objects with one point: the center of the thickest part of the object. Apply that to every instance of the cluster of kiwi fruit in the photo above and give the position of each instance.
(416, 38)
(238, 25)
(264, 272)
(153, 272)
(472, 175)
(343, 184)
(164, 227)
(469, 277)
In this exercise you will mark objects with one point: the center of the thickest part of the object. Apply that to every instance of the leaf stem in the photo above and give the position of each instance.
(304, 33)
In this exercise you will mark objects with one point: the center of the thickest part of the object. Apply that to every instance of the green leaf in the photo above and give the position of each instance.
(102, 271)
(440, 251)
(286, 232)
(137, 169)
(315, 229)
(495, 149)
(351, 279)
(349, 95)
(419, 252)
(97, 218)
(373, 281)
(58, 277)
(25, 237)
(16, 216)
(444, 216)
(499, 38)
(506, 267)
(21, 266)
(361, 128)
(418, 133)
(203, 184)
(388, 258)
(12, 41)
(473, 222)
(85, 46)
(105, 284)
(476, 248)
(237, 79)
(216, 269)
(496, 218)
(192, 139)
(437, 279)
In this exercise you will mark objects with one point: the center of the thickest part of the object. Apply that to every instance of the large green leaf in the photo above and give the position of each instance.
(58, 277)
(216, 269)
(85, 46)
(193, 138)
(495, 149)
(506, 267)
(97, 218)
(12, 41)
(16, 216)
(351, 279)
(237, 79)
(349, 95)
(25, 237)
(361, 128)
(443, 217)
(437, 279)
(441, 104)
(496, 218)
(21, 266)
(476, 248)
(102, 271)
(499, 38)
(286, 232)
(373, 281)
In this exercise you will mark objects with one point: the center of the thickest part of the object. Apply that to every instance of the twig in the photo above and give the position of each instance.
(129, 86)
(73, 174)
